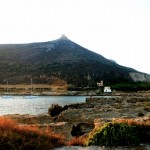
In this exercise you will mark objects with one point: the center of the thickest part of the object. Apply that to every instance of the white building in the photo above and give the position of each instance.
(100, 83)
(107, 89)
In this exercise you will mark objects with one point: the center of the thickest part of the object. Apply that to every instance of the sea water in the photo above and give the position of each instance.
(35, 106)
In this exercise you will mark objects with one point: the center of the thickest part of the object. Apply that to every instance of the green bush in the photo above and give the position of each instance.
(114, 134)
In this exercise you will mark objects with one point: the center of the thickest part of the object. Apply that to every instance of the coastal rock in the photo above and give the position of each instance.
(106, 108)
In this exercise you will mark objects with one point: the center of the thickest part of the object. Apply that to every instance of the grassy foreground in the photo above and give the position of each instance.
(14, 136)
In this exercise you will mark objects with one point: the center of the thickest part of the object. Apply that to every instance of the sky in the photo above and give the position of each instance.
(116, 29)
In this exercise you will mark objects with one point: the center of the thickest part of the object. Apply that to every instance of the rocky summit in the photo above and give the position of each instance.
(62, 59)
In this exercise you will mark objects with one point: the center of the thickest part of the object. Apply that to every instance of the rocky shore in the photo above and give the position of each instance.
(80, 119)
(93, 112)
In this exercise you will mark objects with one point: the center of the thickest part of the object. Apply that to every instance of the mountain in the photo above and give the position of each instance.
(61, 59)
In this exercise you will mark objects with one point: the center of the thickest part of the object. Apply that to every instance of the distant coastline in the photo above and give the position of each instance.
(43, 89)
(54, 90)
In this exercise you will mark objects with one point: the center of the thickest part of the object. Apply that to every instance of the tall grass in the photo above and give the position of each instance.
(19, 137)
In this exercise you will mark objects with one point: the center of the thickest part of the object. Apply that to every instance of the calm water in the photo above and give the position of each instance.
(40, 105)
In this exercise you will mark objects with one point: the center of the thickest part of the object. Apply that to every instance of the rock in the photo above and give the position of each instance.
(81, 128)
(54, 110)
(76, 130)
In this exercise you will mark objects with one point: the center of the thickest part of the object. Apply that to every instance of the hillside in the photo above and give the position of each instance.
(61, 59)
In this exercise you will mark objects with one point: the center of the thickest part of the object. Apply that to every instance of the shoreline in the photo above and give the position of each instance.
(90, 114)
(77, 93)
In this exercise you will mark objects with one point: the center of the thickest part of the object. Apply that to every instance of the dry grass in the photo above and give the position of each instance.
(30, 119)
(134, 122)
(23, 89)
(14, 136)
(56, 84)
(25, 86)
(77, 141)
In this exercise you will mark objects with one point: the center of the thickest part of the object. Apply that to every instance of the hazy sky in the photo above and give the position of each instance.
(116, 29)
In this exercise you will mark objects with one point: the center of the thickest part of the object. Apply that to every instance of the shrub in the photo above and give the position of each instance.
(140, 114)
(114, 134)
(76, 130)
(143, 128)
(55, 110)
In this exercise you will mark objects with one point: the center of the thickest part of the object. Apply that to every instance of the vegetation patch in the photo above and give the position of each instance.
(142, 126)
(135, 86)
(114, 134)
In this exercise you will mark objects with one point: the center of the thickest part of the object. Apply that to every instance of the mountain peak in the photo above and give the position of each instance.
(63, 37)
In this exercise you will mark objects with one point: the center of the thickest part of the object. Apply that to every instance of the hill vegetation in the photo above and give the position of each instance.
(59, 59)
(131, 87)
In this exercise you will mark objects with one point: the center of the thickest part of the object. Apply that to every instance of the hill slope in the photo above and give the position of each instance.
(61, 59)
